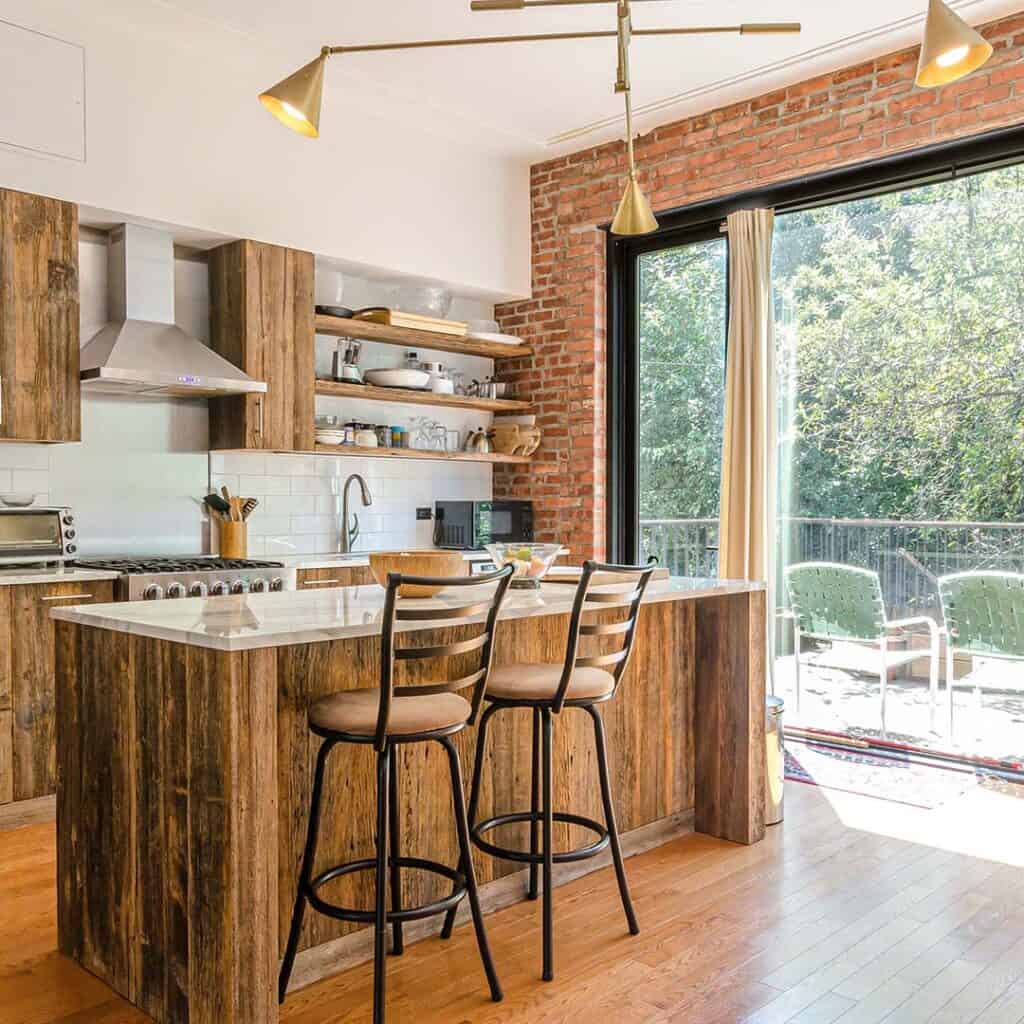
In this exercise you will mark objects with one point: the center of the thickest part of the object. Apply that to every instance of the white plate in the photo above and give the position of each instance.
(501, 339)
(397, 378)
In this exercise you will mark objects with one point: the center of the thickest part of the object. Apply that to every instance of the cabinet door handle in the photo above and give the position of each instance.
(1, 401)
(69, 597)
(259, 416)
(318, 583)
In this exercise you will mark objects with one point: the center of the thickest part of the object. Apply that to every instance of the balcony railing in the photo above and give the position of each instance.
(908, 555)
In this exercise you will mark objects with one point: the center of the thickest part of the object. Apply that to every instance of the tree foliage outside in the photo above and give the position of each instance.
(682, 322)
(900, 335)
(900, 331)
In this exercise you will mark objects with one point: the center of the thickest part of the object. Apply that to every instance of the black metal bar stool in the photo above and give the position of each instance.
(579, 682)
(386, 717)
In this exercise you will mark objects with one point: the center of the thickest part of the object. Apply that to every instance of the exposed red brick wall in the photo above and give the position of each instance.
(871, 109)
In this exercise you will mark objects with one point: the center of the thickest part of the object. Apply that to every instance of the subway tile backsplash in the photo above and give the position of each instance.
(300, 498)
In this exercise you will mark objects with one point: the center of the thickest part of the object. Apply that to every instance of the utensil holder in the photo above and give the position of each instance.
(234, 540)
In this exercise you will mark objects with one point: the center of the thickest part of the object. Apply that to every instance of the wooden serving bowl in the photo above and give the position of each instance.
(417, 563)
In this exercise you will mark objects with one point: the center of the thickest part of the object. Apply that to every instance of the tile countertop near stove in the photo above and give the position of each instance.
(252, 621)
(30, 574)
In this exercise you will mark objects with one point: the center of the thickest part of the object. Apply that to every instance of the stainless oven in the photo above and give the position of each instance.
(37, 534)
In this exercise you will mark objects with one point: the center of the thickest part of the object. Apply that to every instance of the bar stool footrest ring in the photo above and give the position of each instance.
(340, 913)
(524, 856)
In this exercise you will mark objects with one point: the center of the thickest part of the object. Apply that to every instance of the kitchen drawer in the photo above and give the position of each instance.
(340, 576)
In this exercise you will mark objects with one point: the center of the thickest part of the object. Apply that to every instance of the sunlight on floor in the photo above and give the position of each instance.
(963, 825)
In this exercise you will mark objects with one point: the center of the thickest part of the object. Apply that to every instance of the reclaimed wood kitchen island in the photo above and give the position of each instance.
(185, 765)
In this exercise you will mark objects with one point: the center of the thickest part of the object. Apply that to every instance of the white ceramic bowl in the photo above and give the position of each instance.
(17, 500)
(397, 378)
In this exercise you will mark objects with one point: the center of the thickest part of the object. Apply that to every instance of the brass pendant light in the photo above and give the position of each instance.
(296, 100)
(634, 215)
(951, 48)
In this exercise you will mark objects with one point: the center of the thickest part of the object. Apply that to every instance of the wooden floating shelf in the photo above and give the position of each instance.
(342, 327)
(416, 453)
(343, 389)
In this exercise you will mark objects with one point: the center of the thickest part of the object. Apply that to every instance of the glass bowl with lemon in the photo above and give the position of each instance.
(529, 562)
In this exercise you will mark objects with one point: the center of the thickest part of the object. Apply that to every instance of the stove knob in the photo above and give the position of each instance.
(176, 590)
(197, 590)
(68, 519)
(70, 534)
(71, 548)
(258, 586)
(154, 592)
(219, 588)
(277, 584)
(239, 587)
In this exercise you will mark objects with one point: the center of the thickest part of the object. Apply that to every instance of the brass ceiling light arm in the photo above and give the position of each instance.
(296, 100)
(758, 28)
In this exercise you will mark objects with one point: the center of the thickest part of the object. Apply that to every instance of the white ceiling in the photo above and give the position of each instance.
(521, 97)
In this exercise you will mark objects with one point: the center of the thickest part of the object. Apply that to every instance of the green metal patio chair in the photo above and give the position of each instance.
(834, 602)
(984, 614)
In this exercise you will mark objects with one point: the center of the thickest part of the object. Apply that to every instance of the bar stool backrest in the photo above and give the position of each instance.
(451, 615)
(616, 661)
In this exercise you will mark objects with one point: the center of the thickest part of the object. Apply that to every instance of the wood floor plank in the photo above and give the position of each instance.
(822, 922)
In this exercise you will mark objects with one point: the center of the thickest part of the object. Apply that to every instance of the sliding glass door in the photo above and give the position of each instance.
(681, 311)
(900, 333)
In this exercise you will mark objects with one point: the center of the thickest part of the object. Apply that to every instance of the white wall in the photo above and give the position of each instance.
(174, 133)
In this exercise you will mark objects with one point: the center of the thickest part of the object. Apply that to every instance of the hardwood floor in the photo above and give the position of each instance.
(854, 910)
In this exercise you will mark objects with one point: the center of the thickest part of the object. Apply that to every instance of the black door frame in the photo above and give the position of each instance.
(701, 221)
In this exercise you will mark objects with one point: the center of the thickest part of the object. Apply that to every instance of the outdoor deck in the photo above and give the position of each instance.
(909, 557)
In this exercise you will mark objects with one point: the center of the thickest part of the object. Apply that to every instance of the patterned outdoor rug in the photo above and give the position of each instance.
(887, 775)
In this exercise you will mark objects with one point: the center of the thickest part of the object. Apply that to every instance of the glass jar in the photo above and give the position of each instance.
(383, 436)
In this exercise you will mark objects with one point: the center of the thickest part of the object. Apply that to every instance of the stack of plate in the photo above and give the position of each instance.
(328, 436)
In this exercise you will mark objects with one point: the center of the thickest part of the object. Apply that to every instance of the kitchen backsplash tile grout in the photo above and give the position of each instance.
(300, 498)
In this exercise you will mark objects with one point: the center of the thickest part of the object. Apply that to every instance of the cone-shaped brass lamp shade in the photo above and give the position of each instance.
(295, 100)
(634, 216)
(951, 48)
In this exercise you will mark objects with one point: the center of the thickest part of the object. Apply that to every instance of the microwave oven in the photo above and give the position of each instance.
(470, 525)
(37, 534)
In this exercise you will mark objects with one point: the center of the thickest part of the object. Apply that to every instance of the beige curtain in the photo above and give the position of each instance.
(747, 530)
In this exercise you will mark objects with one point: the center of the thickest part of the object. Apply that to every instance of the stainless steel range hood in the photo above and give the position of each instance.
(142, 351)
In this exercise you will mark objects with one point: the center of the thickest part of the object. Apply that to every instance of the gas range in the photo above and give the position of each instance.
(159, 578)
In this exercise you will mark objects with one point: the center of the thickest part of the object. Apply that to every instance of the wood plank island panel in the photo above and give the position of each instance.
(185, 776)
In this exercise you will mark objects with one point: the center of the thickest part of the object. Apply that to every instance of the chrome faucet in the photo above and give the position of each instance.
(348, 536)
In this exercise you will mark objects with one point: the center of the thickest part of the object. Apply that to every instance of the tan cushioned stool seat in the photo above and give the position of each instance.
(539, 682)
(355, 711)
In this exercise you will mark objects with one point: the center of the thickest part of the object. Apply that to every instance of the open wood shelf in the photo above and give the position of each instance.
(341, 327)
(416, 453)
(344, 389)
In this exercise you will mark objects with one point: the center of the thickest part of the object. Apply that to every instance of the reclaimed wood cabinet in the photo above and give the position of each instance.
(261, 319)
(39, 343)
(27, 714)
(336, 576)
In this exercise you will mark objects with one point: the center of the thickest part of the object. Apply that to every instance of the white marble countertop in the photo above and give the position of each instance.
(40, 574)
(250, 621)
(358, 558)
